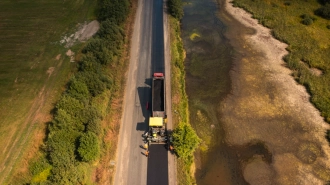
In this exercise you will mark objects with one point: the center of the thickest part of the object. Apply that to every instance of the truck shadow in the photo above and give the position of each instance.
(144, 94)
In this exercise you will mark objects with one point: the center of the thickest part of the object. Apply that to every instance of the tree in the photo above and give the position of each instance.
(94, 125)
(78, 89)
(185, 140)
(89, 149)
(61, 146)
(96, 82)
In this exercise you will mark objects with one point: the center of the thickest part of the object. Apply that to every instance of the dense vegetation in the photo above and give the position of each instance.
(308, 43)
(324, 11)
(185, 139)
(175, 9)
(74, 135)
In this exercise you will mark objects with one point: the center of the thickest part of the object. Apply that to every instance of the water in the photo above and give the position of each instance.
(255, 123)
(210, 55)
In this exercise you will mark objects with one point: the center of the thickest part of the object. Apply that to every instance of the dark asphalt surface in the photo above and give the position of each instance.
(157, 49)
(157, 165)
(147, 57)
(158, 156)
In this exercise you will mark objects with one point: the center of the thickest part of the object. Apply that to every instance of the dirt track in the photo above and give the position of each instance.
(267, 107)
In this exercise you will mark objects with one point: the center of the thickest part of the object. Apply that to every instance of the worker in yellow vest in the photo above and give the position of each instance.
(146, 146)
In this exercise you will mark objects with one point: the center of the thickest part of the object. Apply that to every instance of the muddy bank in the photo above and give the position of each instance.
(267, 106)
(256, 123)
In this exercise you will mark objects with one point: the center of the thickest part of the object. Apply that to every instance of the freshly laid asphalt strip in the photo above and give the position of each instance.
(157, 165)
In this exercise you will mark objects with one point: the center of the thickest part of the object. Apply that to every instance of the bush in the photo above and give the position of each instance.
(40, 170)
(96, 82)
(94, 125)
(61, 146)
(175, 8)
(89, 63)
(324, 11)
(307, 21)
(116, 9)
(78, 89)
(185, 140)
(89, 149)
(70, 105)
(325, 1)
(287, 3)
(108, 27)
(328, 26)
(66, 175)
(63, 120)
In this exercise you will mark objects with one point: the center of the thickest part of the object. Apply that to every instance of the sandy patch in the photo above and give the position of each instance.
(85, 31)
(70, 54)
(58, 57)
(312, 70)
(266, 104)
(316, 72)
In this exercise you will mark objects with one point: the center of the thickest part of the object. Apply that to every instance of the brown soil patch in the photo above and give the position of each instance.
(50, 71)
(267, 105)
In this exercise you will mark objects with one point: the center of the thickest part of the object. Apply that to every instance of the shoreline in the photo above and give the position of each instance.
(300, 138)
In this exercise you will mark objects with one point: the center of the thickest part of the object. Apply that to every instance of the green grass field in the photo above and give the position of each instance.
(30, 34)
(309, 46)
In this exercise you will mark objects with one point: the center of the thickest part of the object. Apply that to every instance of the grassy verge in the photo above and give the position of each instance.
(111, 123)
(308, 43)
(180, 107)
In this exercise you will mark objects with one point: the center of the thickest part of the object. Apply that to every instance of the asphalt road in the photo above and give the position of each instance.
(146, 57)
(157, 165)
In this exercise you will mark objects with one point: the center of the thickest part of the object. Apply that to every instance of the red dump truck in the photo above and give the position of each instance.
(157, 121)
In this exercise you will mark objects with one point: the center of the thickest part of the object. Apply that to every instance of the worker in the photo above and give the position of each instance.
(146, 146)
(147, 153)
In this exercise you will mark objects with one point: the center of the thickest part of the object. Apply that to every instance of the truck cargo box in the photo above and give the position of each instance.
(158, 95)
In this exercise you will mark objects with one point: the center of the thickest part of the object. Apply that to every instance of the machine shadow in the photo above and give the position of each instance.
(142, 126)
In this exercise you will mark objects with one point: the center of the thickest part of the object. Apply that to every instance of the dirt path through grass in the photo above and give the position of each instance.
(20, 137)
